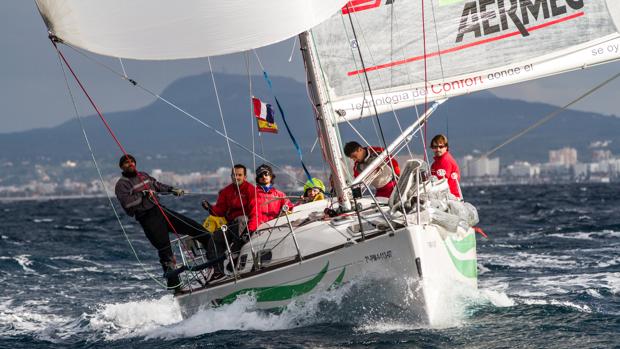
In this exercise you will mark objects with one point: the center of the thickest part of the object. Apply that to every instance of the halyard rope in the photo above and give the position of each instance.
(550, 115)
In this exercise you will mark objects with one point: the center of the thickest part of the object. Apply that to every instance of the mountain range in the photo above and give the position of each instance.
(473, 123)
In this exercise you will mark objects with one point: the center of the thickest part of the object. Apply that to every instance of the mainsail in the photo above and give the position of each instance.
(163, 29)
(470, 46)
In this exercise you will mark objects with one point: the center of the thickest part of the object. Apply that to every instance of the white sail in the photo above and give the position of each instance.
(163, 29)
(470, 46)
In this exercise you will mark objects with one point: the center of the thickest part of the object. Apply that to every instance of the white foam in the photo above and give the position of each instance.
(588, 235)
(482, 269)
(566, 304)
(242, 315)
(613, 282)
(43, 220)
(34, 317)
(386, 327)
(25, 263)
(530, 260)
(121, 320)
(498, 298)
(594, 294)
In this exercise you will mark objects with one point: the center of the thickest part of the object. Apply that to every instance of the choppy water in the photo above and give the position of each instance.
(549, 277)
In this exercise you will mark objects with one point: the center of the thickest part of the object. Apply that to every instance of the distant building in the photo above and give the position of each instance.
(522, 169)
(601, 154)
(565, 156)
(479, 167)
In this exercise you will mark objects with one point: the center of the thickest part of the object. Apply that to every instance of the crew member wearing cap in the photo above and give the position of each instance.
(444, 165)
(137, 193)
(269, 200)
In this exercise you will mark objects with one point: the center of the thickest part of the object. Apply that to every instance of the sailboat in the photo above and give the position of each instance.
(364, 58)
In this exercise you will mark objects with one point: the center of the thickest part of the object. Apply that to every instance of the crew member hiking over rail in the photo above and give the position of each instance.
(136, 191)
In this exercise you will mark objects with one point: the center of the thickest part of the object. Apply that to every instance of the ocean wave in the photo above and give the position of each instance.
(26, 319)
(525, 260)
(559, 303)
(604, 234)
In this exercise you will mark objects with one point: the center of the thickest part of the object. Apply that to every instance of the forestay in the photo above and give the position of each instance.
(470, 45)
(164, 29)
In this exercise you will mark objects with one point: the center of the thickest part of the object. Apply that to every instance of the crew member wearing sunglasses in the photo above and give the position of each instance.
(444, 165)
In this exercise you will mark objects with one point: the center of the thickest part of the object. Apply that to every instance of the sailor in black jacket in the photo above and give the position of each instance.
(137, 193)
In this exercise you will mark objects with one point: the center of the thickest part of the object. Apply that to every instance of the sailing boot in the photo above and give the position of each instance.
(172, 279)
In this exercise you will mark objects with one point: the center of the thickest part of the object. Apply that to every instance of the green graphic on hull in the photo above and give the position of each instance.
(338, 280)
(466, 244)
(279, 293)
(467, 267)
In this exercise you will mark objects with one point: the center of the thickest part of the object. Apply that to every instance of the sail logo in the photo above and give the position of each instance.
(487, 17)
(362, 5)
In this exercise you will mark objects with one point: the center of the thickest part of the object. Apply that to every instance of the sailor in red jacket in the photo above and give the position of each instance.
(236, 200)
(269, 200)
(445, 165)
(383, 180)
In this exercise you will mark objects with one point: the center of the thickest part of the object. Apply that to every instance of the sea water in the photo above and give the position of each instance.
(549, 276)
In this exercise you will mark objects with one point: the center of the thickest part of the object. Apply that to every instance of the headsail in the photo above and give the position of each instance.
(162, 29)
(471, 45)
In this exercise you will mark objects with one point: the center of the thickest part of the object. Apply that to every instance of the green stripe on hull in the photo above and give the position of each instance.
(465, 244)
(338, 280)
(468, 267)
(278, 293)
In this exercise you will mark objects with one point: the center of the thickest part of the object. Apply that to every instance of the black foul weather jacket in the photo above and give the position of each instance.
(130, 192)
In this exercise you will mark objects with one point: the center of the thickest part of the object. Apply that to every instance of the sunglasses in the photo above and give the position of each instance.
(435, 146)
(265, 174)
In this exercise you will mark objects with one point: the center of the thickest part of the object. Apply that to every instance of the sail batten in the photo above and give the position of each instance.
(471, 46)
(162, 30)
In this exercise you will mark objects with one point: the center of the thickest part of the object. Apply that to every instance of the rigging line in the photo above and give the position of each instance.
(288, 129)
(120, 60)
(425, 79)
(290, 58)
(389, 156)
(357, 45)
(252, 117)
(439, 55)
(380, 76)
(102, 181)
(174, 106)
(359, 51)
(362, 87)
(551, 115)
(400, 128)
(317, 113)
(232, 161)
(146, 186)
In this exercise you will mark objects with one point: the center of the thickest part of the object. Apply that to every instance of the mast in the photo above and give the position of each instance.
(330, 140)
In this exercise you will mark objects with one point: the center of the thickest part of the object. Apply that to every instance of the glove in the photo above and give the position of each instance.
(177, 192)
(147, 193)
(207, 206)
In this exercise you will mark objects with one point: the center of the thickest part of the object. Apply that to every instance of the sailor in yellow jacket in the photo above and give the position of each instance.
(314, 190)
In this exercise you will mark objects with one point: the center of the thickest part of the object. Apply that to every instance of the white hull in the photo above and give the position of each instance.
(425, 255)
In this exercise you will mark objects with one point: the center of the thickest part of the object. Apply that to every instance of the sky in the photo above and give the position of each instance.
(33, 92)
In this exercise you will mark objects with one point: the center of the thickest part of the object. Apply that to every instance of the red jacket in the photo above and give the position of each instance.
(358, 166)
(268, 204)
(228, 204)
(445, 166)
